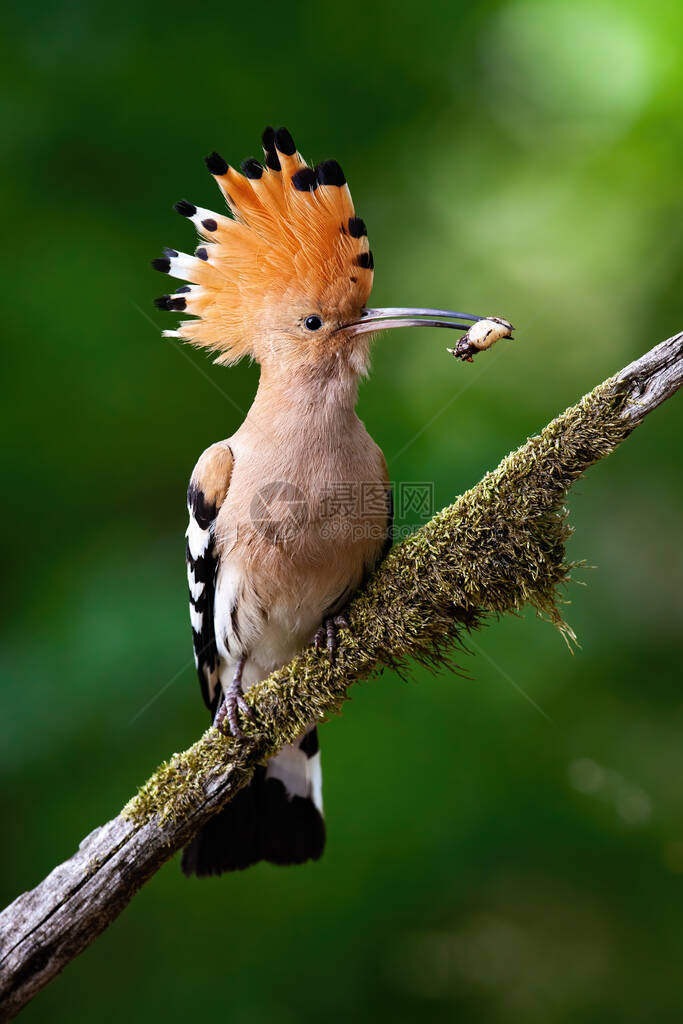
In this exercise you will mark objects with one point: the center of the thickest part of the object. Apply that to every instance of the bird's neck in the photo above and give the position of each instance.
(321, 398)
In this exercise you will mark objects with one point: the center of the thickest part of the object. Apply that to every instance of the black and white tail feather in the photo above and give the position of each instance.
(278, 816)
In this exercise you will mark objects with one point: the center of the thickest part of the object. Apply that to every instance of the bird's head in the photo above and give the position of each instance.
(286, 278)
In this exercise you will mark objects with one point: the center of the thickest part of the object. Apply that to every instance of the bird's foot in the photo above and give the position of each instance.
(327, 634)
(233, 702)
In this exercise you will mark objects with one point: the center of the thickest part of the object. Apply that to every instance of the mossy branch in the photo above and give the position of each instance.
(497, 548)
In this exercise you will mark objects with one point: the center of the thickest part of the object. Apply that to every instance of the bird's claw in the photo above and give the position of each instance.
(327, 634)
(233, 703)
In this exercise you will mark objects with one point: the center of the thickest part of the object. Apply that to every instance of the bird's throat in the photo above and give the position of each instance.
(319, 401)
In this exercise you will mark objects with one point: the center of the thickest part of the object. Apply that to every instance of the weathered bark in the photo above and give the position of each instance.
(497, 547)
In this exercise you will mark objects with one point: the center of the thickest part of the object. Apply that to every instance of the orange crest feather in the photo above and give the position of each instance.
(293, 247)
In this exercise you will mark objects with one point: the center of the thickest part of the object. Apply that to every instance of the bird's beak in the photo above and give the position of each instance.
(481, 331)
(410, 316)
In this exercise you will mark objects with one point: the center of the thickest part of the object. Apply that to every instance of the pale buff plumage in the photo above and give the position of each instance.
(304, 432)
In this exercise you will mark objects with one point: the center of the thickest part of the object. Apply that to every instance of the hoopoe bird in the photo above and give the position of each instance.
(272, 561)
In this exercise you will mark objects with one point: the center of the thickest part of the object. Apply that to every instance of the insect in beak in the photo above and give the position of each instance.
(481, 332)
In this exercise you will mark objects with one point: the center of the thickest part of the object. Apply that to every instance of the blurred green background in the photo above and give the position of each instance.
(513, 157)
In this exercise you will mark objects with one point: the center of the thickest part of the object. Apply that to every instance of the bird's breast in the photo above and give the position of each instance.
(296, 534)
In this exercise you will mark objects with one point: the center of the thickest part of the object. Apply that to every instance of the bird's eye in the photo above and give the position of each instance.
(313, 323)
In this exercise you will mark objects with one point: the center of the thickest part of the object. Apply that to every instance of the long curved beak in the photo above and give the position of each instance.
(410, 316)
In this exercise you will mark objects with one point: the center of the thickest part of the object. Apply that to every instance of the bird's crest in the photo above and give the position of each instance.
(292, 248)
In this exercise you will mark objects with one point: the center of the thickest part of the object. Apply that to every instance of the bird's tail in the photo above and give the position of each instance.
(278, 817)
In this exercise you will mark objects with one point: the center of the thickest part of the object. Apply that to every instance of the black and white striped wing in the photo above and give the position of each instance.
(205, 495)
(202, 567)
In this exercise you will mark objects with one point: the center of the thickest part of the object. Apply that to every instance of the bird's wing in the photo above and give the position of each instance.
(205, 495)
